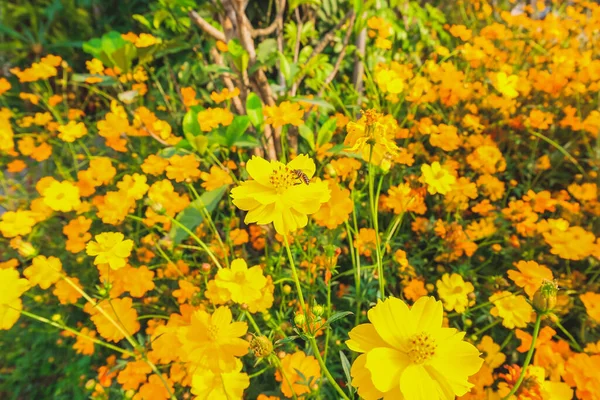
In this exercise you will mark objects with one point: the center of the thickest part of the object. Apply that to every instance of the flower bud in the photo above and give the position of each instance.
(318, 310)
(299, 319)
(544, 299)
(287, 289)
(261, 346)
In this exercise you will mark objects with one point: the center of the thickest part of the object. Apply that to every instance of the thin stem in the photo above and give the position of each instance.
(75, 332)
(253, 322)
(330, 378)
(536, 331)
(294, 273)
(574, 343)
(198, 240)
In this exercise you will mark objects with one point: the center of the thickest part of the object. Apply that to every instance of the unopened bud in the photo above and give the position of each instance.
(205, 267)
(287, 289)
(544, 300)
(261, 346)
(299, 320)
(318, 310)
(89, 385)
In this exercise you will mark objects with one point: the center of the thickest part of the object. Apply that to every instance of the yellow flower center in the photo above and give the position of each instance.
(213, 332)
(421, 348)
(240, 277)
(283, 178)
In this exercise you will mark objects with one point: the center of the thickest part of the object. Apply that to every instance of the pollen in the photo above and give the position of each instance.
(283, 178)
(372, 117)
(421, 348)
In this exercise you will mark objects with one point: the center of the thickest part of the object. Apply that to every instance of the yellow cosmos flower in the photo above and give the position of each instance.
(407, 354)
(213, 341)
(438, 179)
(244, 284)
(208, 385)
(72, 131)
(16, 223)
(110, 248)
(11, 289)
(454, 292)
(62, 196)
(280, 193)
(373, 136)
(44, 271)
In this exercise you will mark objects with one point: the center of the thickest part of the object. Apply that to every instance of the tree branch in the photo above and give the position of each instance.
(340, 58)
(206, 27)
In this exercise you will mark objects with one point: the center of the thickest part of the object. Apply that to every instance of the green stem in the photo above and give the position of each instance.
(294, 273)
(574, 343)
(536, 331)
(198, 240)
(330, 378)
(253, 322)
(75, 332)
(373, 203)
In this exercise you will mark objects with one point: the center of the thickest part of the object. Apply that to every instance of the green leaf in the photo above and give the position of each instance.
(336, 316)
(239, 54)
(326, 132)
(143, 20)
(192, 215)
(254, 109)
(247, 141)
(346, 367)
(236, 129)
(190, 124)
(285, 68)
(286, 340)
(266, 52)
(307, 134)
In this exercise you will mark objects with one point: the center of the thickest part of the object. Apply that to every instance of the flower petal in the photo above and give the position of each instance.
(393, 322)
(260, 170)
(456, 360)
(361, 379)
(386, 366)
(427, 313)
(363, 338)
(416, 384)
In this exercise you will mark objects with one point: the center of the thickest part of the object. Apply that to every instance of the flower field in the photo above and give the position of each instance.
(300, 199)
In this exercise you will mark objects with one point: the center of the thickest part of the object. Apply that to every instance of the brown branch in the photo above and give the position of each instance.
(206, 27)
(340, 58)
(320, 47)
(237, 103)
(359, 67)
(265, 31)
(329, 36)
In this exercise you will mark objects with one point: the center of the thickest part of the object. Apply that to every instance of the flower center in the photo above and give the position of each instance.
(213, 332)
(421, 348)
(283, 178)
(240, 277)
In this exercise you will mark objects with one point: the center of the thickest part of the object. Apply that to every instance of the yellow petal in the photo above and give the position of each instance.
(259, 169)
(428, 314)
(363, 338)
(255, 190)
(361, 379)
(386, 366)
(393, 322)
(416, 384)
